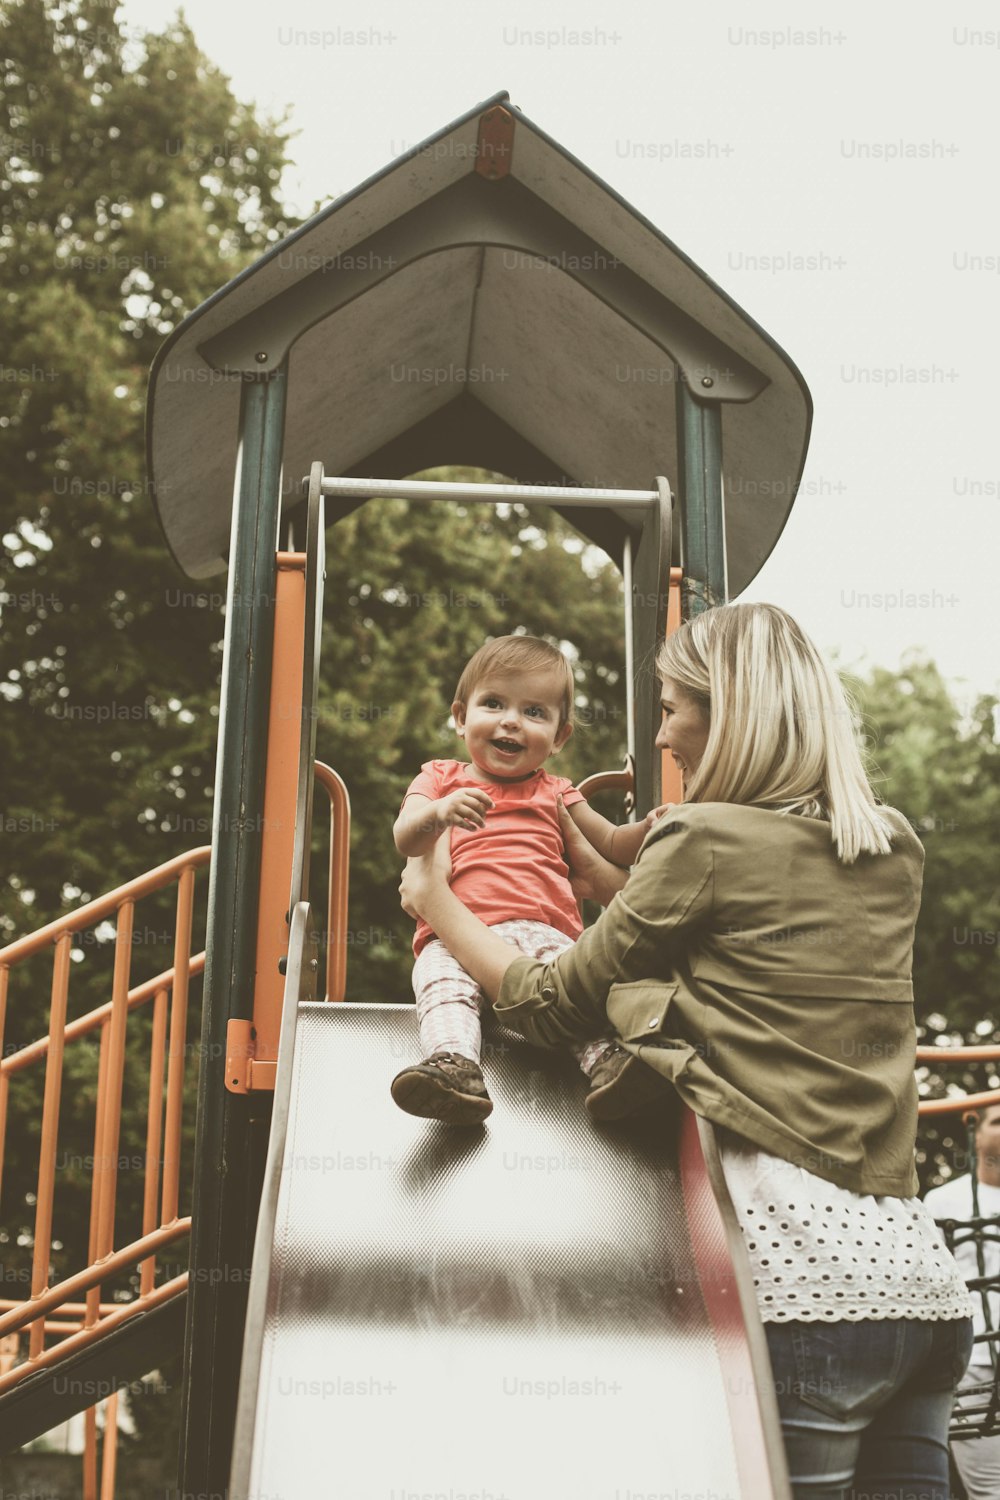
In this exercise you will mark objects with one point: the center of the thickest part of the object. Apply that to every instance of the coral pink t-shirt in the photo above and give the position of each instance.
(515, 866)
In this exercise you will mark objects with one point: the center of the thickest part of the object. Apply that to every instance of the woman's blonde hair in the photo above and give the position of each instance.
(783, 732)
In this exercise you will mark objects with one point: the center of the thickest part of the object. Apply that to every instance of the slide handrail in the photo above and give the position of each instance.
(48, 1311)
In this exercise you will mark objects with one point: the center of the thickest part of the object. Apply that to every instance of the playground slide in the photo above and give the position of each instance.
(515, 1310)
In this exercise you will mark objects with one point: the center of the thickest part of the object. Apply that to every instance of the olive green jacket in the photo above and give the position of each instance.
(768, 982)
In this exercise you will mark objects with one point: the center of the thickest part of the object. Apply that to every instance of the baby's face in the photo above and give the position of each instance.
(512, 724)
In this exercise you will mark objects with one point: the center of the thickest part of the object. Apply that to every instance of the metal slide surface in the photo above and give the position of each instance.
(510, 1310)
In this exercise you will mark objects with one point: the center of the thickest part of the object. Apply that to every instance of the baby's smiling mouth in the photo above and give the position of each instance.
(508, 746)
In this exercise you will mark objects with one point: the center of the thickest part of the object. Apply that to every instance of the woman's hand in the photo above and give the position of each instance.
(592, 877)
(424, 874)
(652, 818)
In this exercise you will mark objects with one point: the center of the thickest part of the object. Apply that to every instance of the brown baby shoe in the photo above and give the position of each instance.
(445, 1087)
(621, 1085)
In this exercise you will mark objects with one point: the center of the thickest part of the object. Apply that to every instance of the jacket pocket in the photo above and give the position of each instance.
(638, 1010)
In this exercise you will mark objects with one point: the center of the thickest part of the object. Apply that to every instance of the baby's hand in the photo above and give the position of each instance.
(466, 808)
(653, 817)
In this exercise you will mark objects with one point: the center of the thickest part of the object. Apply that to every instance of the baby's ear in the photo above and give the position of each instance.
(562, 735)
(458, 714)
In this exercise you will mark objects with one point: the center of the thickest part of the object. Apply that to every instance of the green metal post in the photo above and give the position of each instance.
(650, 588)
(703, 537)
(231, 1133)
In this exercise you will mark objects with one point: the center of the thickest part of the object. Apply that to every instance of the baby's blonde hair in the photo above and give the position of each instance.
(519, 653)
(783, 732)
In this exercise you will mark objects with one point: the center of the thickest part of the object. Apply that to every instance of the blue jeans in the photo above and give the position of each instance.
(865, 1406)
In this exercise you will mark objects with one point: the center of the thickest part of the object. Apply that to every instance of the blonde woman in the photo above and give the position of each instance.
(758, 956)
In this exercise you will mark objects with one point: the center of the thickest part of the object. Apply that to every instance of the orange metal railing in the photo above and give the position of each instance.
(944, 1055)
(340, 851)
(51, 1324)
(49, 1311)
(603, 781)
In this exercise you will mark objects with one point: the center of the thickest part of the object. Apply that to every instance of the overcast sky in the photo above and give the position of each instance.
(835, 176)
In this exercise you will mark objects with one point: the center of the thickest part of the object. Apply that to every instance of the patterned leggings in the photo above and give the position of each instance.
(449, 1002)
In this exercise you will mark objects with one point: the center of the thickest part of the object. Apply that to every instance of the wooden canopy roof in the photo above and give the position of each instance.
(484, 299)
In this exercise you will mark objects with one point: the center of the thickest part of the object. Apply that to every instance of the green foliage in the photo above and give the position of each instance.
(942, 769)
(129, 191)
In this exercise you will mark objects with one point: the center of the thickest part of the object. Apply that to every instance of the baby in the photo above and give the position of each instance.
(514, 708)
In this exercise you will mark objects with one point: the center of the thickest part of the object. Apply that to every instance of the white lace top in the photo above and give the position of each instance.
(822, 1253)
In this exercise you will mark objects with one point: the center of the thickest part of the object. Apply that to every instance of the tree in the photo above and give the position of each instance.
(130, 191)
(942, 769)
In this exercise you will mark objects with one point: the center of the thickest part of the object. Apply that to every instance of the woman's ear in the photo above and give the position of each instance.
(458, 714)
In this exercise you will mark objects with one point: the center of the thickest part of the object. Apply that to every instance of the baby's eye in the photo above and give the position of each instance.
(538, 712)
(491, 702)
